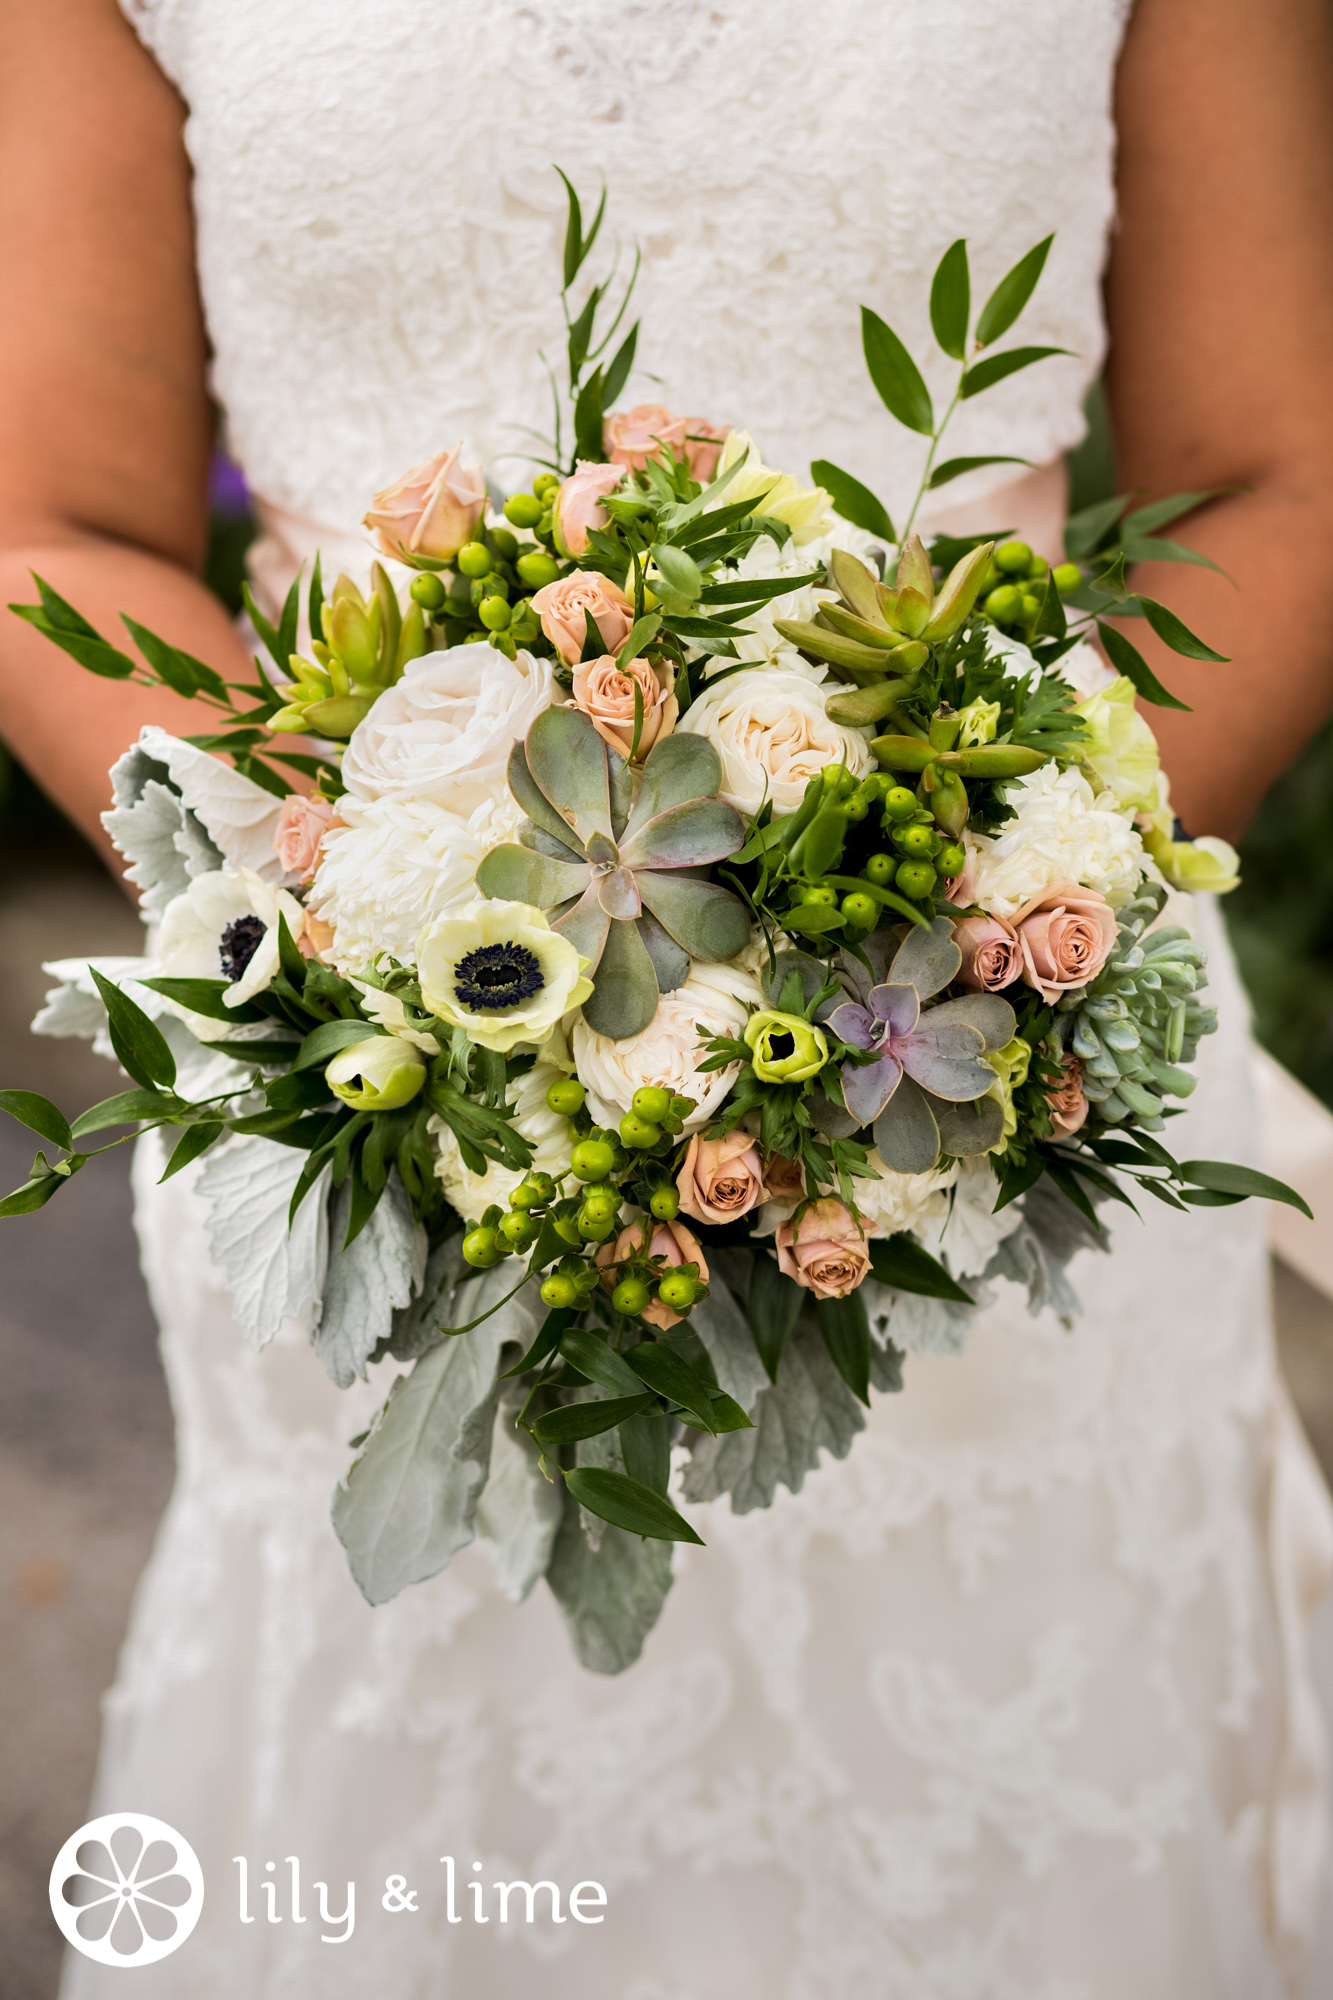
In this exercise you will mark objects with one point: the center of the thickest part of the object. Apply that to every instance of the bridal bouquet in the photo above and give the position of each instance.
(716, 933)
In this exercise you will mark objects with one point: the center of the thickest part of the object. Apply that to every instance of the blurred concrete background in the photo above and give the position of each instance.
(85, 1425)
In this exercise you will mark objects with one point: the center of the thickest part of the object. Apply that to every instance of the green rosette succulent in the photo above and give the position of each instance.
(618, 866)
(366, 645)
(1140, 1019)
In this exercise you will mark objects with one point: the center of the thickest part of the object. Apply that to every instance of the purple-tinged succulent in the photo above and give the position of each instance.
(623, 872)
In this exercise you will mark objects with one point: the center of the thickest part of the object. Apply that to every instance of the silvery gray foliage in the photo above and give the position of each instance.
(611, 1596)
(165, 843)
(722, 1326)
(602, 1450)
(271, 1273)
(918, 1325)
(1037, 1254)
(409, 1502)
(381, 1271)
(519, 1510)
(808, 1409)
(420, 1325)
(238, 816)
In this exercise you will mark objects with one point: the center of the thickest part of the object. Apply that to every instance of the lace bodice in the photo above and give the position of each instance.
(380, 224)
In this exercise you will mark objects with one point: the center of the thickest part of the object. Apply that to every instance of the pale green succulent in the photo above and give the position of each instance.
(365, 645)
(1140, 1018)
(620, 867)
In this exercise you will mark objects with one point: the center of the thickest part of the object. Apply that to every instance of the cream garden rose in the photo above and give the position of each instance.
(771, 731)
(714, 1000)
(443, 733)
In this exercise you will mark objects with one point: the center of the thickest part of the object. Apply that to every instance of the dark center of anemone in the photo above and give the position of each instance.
(239, 943)
(497, 975)
(780, 1046)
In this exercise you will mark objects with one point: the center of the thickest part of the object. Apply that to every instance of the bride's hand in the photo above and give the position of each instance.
(105, 424)
(1220, 297)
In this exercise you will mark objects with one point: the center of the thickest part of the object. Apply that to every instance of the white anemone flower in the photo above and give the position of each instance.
(226, 926)
(498, 971)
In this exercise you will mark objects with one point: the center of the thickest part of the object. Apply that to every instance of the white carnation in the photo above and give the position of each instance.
(770, 729)
(545, 1131)
(714, 1000)
(1061, 834)
(396, 865)
(914, 1202)
(443, 733)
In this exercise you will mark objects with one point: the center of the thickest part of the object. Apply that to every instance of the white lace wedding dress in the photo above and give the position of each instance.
(1012, 1703)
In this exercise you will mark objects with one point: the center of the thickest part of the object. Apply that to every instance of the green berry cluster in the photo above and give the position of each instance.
(1014, 582)
(488, 596)
(881, 844)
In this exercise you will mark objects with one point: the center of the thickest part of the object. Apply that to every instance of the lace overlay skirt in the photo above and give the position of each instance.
(1011, 1702)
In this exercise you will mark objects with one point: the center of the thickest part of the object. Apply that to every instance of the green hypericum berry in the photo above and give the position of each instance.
(473, 559)
(518, 1230)
(916, 879)
(493, 613)
(1004, 605)
(860, 909)
(917, 841)
(537, 568)
(677, 1291)
(566, 1097)
(482, 1249)
(504, 544)
(664, 1203)
(856, 809)
(639, 1133)
(630, 1296)
(899, 803)
(592, 1159)
(1014, 558)
(534, 1192)
(427, 591)
(559, 1291)
(544, 484)
(951, 859)
(819, 893)
(652, 1102)
(524, 510)
(1068, 576)
(1031, 606)
(1038, 568)
(598, 1207)
(592, 1230)
(880, 869)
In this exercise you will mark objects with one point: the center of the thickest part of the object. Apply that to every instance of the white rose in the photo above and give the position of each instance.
(225, 926)
(894, 1202)
(715, 1000)
(444, 731)
(395, 865)
(771, 731)
(1061, 833)
(545, 1131)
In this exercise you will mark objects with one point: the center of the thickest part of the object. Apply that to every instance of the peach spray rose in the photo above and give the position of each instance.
(431, 511)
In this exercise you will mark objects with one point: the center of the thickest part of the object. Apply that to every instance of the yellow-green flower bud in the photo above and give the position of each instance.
(1118, 749)
(1206, 865)
(1011, 1068)
(980, 720)
(784, 1048)
(380, 1073)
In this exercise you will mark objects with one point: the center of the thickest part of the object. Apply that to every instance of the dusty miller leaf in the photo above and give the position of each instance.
(611, 1596)
(723, 1328)
(519, 1510)
(379, 1273)
(808, 1409)
(272, 1274)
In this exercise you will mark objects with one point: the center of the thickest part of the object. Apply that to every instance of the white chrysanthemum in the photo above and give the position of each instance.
(545, 1131)
(714, 1000)
(772, 733)
(973, 1231)
(1061, 834)
(445, 730)
(396, 865)
(894, 1202)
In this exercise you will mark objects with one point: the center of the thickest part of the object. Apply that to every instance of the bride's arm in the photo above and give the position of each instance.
(104, 420)
(1220, 297)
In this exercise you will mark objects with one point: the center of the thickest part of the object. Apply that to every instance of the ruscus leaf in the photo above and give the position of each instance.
(1012, 293)
(897, 379)
(951, 300)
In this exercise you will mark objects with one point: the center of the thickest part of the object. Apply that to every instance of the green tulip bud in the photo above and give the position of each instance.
(379, 1073)
(524, 510)
(427, 591)
(783, 1047)
(1014, 558)
(566, 1097)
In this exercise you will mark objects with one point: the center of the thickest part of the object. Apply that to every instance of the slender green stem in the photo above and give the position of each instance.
(936, 435)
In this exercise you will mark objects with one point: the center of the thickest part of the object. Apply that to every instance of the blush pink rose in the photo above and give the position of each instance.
(431, 511)
(671, 1241)
(992, 957)
(563, 607)
(1065, 937)
(826, 1252)
(302, 824)
(316, 939)
(703, 447)
(631, 437)
(578, 504)
(1069, 1107)
(720, 1179)
(605, 693)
